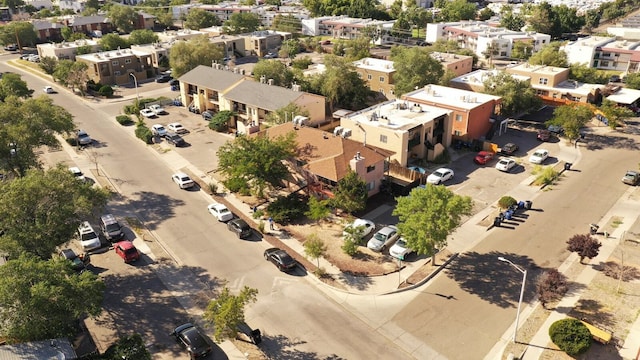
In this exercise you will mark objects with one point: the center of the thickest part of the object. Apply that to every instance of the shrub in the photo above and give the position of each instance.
(551, 286)
(219, 121)
(258, 214)
(349, 247)
(584, 245)
(506, 201)
(286, 209)
(105, 90)
(261, 227)
(124, 120)
(571, 336)
(213, 188)
(545, 175)
(236, 185)
(144, 133)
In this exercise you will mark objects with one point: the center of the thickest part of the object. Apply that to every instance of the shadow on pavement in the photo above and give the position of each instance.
(283, 348)
(155, 207)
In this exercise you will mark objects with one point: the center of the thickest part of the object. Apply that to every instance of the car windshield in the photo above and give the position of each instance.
(83, 136)
(631, 174)
(401, 243)
(380, 236)
(88, 236)
(175, 137)
(223, 211)
(185, 179)
(438, 174)
(130, 251)
(113, 227)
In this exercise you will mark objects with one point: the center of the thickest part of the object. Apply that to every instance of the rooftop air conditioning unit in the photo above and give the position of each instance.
(338, 130)
(346, 133)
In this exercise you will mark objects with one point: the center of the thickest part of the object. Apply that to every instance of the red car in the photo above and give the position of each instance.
(483, 157)
(127, 251)
(544, 135)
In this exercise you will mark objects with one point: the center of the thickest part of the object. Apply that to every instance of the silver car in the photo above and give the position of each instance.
(383, 238)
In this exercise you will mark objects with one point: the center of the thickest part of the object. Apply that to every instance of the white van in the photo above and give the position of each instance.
(89, 239)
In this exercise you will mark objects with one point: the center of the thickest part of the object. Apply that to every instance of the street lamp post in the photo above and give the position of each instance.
(524, 280)
(135, 82)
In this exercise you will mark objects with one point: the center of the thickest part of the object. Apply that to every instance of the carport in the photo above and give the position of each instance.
(625, 97)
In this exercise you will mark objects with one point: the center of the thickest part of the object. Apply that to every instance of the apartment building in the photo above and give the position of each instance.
(473, 113)
(66, 50)
(269, 13)
(406, 130)
(604, 53)
(378, 74)
(117, 66)
(342, 27)
(474, 81)
(88, 24)
(458, 64)
(159, 53)
(481, 38)
(232, 45)
(224, 10)
(47, 30)
(260, 43)
(183, 34)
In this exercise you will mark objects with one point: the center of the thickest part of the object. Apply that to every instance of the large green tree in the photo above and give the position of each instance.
(256, 160)
(42, 300)
(615, 114)
(275, 70)
(544, 20)
(457, 10)
(632, 81)
(358, 49)
(510, 20)
(242, 23)
(226, 312)
(42, 210)
(415, 68)
(123, 17)
(199, 19)
(341, 85)
(113, 42)
(351, 193)
(13, 4)
(572, 118)
(187, 55)
(128, 347)
(12, 85)
(428, 215)
(587, 74)
(18, 32)
(550, 55)
(290, 48)
(143, 36)
(517, 95)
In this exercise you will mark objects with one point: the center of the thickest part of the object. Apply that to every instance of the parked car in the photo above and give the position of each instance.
(364, 226)
(220, 211)
(271, 55)
(509, 149)
(157, 109)
(483, 157)
(78, 262)
(506, 164)
(556, 129)
(34, 58)
(439, 176)
(111, 228)
(183, 180)
(539, 156)
(615, 79)
(177, 128)
(190, 338)
(158, 130)
(544, 135)
(174, 82)
(25, 56)
(174, 139)
(207, 115)
(11, 47)
(88, 238)
(83, 138)
(163, 78)
(240, 228)
(148, 113)
(399, 250)
(48, 90)
(281, 259)
(77, 173)
(127, 251)
(383, 238)
(631, 177)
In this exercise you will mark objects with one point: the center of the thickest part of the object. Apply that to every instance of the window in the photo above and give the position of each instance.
(369, 77)
(604, 63)
(543, 81)
(370, 168)
(383, 139)
(457, 133)
(371, 186)
(127, 61)
(115, 63)
(381, 79)
(117, 73)
(458, 117)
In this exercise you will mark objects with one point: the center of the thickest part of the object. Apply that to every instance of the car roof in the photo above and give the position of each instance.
(125, 244)
(388, 229)
(240, 222)
(175, 124)
(217, 206)
(180, 174)
(358, 222)
(68, 254)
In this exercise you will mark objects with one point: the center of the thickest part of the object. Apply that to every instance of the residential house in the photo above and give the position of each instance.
(604, 53)
(457, 64)
(88, 24)
(202, 87)
(66, 50)
(159, 53)
(323, 159)
(473, 113)
(47, 31)
(45, 349)
(482, 38)
(77, 6)
(145, 21)
(378, 74)
(408, 131)
(40, 4)
(118, 67)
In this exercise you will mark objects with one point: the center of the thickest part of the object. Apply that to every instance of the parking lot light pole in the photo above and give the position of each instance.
(135, 82)
(524, 280)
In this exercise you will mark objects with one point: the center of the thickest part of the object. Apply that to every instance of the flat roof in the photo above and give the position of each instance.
(625, 96)
(457, 98)
(538, 69)
(571, 87)
(479, 76)
(111, 54)
(399, 115)
(375, 64)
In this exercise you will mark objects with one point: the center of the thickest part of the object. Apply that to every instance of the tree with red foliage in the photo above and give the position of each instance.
(584, 245)
(551, 286)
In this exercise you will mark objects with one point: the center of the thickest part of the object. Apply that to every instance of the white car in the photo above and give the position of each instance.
(157, 109)
(383, 238)
(220, 211)
(159, 130)
(506, 164)
(183, 180)
(539, 156)
(148, 113)
(77, 173)
(177, 128)
(439, 176)
(365, 227)
(399, 250)
(48, 90)
(88, 237)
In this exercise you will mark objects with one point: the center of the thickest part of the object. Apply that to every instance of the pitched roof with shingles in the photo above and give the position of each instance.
(88, 20)
(326, 155)
(263, 96)
(210, 78)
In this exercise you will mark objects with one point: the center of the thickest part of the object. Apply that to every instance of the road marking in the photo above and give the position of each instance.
(280, 282)
(236, 285)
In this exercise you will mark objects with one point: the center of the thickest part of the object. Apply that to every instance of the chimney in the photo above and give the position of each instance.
(357, 164)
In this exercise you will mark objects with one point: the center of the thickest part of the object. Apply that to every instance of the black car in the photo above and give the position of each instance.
(240, 227)
(280, 258)
(509, 149)
(164, 78)
(78, 262)
(207, 115)
(191, 338)
(174, 139)
(174, 82)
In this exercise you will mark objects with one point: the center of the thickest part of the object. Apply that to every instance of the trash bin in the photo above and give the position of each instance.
(567, 166)
(496, 221)
(501, 216)
(528, 204)
(256, 336)
(508, 214)
(520, 204)
(593, 229)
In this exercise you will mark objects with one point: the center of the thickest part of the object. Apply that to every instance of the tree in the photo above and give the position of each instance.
(551, 286)
(571, 336)
(567, 18)
(286, 113)
(315, 248)
(128, 347)
(361, 9)
(78, 76)
(457, 10)
(124, 18)
(256, 161)
(42, 210)
(242, 23)
(522, 50)
(48, 64)
(349, 247)
(81, 50)
(290, 48)
(415, 68)
(18, 32)
(13, 4)
(632, 81)
(550, 55)
(506, 201)
(341, 85)
(544, 20)
(43, 299)
(113, 42)
(226, 312)
(287, 23)
(358, 49)
(428, 215)
(12, 85)
(220, 121)
(145, 36)
(616, 115)
(591, 20)
(275, 70)
(351, 193)
(199, 19)
(187, 55)
(485, 14)
(587, 74)
(66, 33)
(318, 209)
(517, 95)
(584, 245)
(572, 118)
